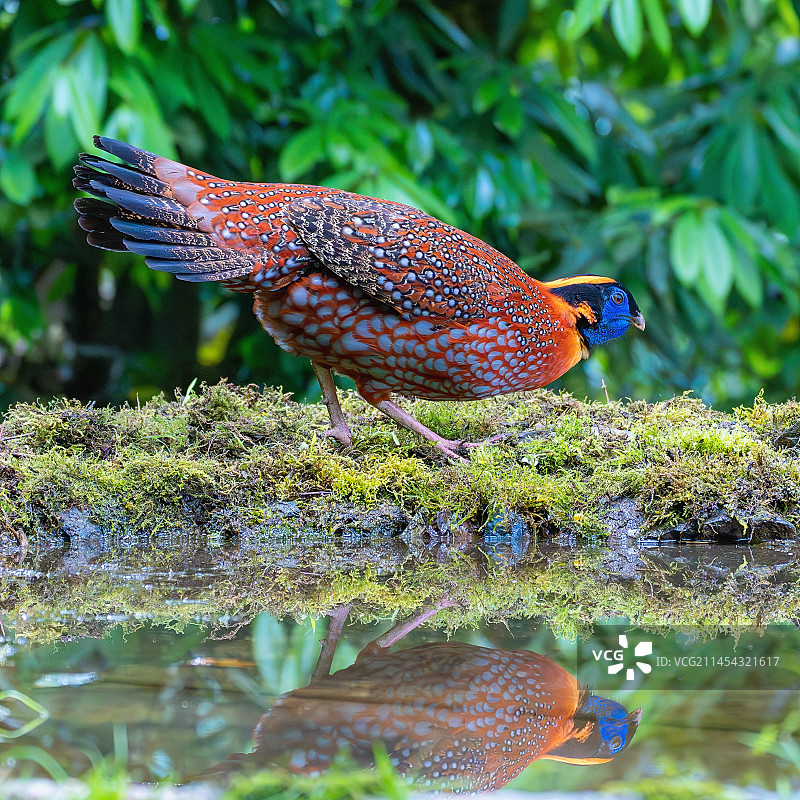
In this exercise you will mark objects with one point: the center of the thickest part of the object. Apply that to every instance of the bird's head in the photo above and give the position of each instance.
(603, 308)
(602, 728)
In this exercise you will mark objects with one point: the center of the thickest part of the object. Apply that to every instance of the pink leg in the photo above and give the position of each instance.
(449, 447)
(395, 634)
(446, 446)
(339, 429)
(338, 617)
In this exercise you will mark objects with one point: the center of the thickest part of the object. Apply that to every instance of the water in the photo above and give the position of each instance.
(175, 698)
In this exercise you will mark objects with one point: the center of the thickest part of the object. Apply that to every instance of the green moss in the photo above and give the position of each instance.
(243, 448)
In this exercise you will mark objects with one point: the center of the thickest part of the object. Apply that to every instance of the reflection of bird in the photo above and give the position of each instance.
(449, 714)
(376, 290)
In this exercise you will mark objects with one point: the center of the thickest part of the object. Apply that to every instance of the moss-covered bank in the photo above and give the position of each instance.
(220, 460)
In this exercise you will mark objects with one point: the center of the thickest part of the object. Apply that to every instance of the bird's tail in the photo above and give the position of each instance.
(152, 206)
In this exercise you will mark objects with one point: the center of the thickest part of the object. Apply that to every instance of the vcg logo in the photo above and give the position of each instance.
(618, 659)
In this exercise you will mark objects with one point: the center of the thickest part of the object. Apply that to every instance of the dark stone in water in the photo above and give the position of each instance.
(721, 527)
(682, 532)
(766, 527)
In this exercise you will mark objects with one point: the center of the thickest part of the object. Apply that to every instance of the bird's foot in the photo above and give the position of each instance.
(456, 449)
(341, 433)
(450, 449)
(500, 437)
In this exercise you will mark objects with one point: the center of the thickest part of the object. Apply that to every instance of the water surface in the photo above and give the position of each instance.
(191, 699)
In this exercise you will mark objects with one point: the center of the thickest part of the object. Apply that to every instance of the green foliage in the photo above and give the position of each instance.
(657, 141)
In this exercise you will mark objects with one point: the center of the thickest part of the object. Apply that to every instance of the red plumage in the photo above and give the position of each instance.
(378, 291)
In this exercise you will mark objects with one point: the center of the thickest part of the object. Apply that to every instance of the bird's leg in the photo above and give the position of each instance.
(402, 629)
(339, 429)
(337, 619)
(446, 446)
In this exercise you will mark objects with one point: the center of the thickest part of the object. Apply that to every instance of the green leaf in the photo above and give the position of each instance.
(626, 20)
(786, 126)
(741, 173)
(658, 25)
(509, 117)
(125, 20)
(147, 121)
(684, 249)
(748, 281)
(579, 132)
(656, 263)
(695, 15)
(779, 197)
(574, 24)
(59, 138)
(213, 107)
(83, 113)
(17, 178)
(127, 124)
(716, 255)
(446, 25)
(569, 179)
(31, 88)
(744, 233)
(420, 146)
(213, 50)
(338, 147)
(301, 152)
(489, 92)
(87, 80)
(513, 14)
(482, 193)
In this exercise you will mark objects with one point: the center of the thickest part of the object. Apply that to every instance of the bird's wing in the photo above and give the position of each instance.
(399, 255)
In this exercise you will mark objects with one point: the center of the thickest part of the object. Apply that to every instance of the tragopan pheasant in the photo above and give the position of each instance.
(379, 291)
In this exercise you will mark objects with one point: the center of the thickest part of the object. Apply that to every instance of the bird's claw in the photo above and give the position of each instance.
(450, 449)
(500, 437)
(457, 449)
(341, 433)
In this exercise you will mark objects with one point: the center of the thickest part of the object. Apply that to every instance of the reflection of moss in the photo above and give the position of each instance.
(167, 465)
(567, 591)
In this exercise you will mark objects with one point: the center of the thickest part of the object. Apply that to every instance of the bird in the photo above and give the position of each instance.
(397, 300)
(450, 715)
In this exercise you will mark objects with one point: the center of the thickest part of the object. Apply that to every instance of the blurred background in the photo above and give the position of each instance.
(656, 141)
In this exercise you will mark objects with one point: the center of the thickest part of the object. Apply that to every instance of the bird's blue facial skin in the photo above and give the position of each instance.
(612, 322)
(612, 718)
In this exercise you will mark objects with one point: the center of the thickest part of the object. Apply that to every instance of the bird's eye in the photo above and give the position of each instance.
(618, 297)
(615, 744)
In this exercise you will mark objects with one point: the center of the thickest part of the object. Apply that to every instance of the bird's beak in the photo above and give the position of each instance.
(638, 321)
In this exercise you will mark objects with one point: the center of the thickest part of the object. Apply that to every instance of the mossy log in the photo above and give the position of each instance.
(240, 485)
